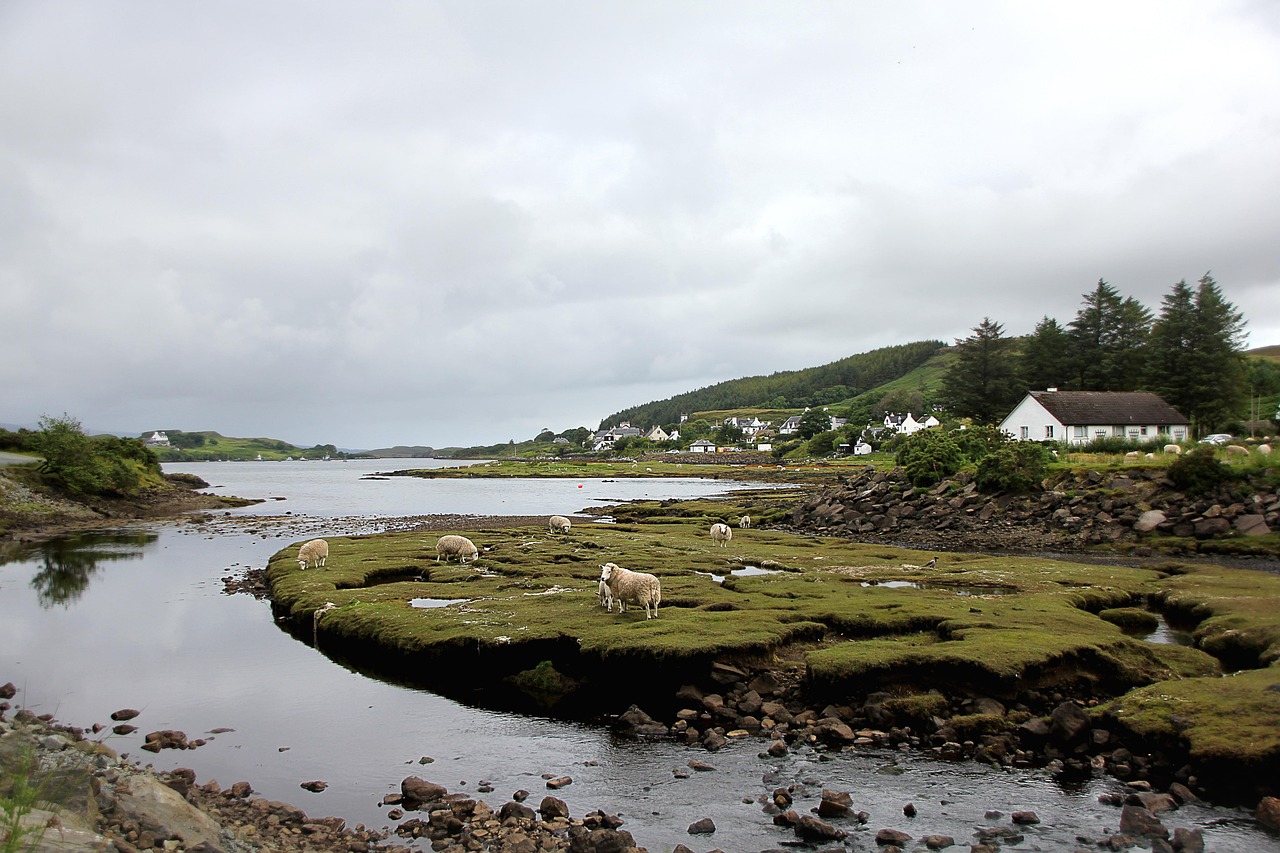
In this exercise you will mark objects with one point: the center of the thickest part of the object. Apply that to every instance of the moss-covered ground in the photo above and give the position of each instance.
(856, 618)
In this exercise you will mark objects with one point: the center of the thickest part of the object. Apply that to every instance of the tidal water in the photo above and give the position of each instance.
(137, 618)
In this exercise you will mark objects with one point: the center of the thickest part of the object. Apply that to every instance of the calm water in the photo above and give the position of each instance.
(137, 618)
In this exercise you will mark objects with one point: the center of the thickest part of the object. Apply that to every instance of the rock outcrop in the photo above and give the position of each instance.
(1069, 511)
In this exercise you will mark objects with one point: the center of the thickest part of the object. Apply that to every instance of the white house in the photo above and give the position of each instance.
(657, 434)
(1078, 417)
(790, 426)
(907, 424)
(157, 439)
(702, 446)
(605, 439)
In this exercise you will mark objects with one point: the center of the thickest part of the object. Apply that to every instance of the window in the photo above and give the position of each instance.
(1026, 433)
(1081, 432)
(1144, 430)
(1048, 431)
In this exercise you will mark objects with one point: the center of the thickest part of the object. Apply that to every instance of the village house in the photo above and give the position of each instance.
(749, 426)
(907, 424)
(606, 439)
(1078, 417)
(156, 439)
(702, 446)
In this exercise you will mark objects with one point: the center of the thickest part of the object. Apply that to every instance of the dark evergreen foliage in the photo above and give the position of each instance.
(983, 384)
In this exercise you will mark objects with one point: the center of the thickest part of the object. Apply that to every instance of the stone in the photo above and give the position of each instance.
(416, 791)
(315, 786)
(1068, 723)
(1268, 813)
(1149, 521)
(1136, 820)
(1252, 525)
(519, 811)
(161, 811)
(892, 836)
(559, 782)
(1025, 818)
(124, 714)
(812, 829)
(553, 807)
(938, 842)
(703, 826)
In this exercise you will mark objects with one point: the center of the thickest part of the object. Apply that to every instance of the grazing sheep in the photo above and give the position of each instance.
(744, 522)
(628, 587)
(558, 524)
(606, 596)
(456, 546)
(1132, 454)
(721, 534)
(312, 553)
(1264, 449)
(1175, 449)
(1237, 450)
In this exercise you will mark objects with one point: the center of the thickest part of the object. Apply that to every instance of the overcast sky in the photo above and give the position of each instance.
(450, 223)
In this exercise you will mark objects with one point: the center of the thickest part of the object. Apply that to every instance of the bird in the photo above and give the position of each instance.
(931, 563)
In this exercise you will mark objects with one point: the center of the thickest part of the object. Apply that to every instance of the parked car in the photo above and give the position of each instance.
(1216, 438)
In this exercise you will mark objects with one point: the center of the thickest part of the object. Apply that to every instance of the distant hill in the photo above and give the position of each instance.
(830, 384)
(1272, 352)
(400, 451)
(209, 446)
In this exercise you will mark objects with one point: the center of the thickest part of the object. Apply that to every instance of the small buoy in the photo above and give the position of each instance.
(579, 485)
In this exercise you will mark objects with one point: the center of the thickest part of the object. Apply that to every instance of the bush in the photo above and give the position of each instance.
(930, 456)
(1199, 472)
(1018, 466)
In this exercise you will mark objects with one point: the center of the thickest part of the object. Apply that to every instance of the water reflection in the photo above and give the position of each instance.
(66, 565)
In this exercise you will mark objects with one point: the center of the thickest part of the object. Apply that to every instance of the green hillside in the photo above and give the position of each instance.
(210, 446)
(830, 384)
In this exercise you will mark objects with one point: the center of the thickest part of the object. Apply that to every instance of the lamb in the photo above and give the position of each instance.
(456, 546)
(1175, 449)
(1132, 454)
(721, 534)
(558, 524)
(1237, 450)
(628, 587)
(606, 596)
(312, 553)
(744, 522)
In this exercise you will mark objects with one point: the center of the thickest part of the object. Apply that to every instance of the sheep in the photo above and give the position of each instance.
(1264, 449)
(721, 534)
(456, 546)
(1175, 449)
(606, 596)
(1132, 454)
(744, 522)
(314, 553)
(628, 587)
(1237, 450)
(558, 524)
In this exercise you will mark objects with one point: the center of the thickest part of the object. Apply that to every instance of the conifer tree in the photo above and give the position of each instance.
(1108, 341)
(1045, 356)
(1197, 363)
(983, 383)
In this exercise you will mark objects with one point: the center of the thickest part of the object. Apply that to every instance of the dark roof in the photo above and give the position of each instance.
(1108, 407)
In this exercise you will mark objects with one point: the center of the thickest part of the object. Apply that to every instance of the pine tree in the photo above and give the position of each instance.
(983, 383)
(1108, 341)
(1197, 363)
(1045, 354)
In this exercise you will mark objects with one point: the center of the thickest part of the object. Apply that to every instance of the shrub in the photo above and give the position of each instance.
(929, 456)
(1198, 472)
(1016, 467)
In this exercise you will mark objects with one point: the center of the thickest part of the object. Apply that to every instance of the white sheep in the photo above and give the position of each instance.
(312, 553)
(1264, 449)
(606, 596)
(456, 546)
(628, 587)
(744, 522)
(1175, 449)
(1237, 450)
(558, 524)
(721, 534)
(1132, 454)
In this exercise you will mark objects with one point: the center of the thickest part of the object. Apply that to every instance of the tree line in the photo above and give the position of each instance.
(1191, 353)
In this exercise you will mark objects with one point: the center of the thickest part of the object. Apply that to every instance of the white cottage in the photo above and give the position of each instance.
(1078, 417)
